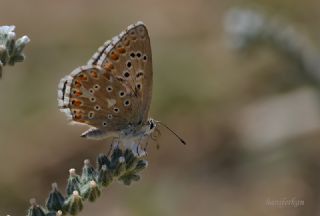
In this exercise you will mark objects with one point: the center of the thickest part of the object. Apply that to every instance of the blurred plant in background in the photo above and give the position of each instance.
(248, 28)
(10, 48)
(280, 130)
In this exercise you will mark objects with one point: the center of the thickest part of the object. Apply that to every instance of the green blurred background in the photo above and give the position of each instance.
(251, 120)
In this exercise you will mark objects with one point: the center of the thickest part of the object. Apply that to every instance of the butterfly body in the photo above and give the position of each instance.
(112, 93)
(132, 132)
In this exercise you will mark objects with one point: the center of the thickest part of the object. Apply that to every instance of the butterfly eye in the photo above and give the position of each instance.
(91, 91)
(109, 89)
(104, 124)
(93, 99)
(132, 55)
(121, 93)
(139, 54)
(151, 125)
(97, 107)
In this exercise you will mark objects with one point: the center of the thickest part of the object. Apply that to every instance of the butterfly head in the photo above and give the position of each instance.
(150, 126)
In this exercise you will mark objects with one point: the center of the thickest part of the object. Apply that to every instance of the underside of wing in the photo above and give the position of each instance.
(114, 90)
(128, 57)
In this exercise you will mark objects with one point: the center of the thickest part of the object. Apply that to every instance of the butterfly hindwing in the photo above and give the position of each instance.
(91, 95)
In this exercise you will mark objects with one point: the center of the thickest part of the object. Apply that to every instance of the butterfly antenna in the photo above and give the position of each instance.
(181, 140)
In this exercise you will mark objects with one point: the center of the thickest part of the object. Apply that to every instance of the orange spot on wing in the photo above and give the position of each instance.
(78, 93)
(107, 75)
(109, 66)
(77, 83)
(77, 117)
(76, 102)
(121, 50)
(114, 56)
(83, 77)
(94, 74)
(127, 43)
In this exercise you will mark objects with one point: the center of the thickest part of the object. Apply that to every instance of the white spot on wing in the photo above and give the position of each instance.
(108, 49)
(102, 58)
(75, 71)
(115, 40)
(122, 34)
(130, 27)
(67, 112)
(60, 94)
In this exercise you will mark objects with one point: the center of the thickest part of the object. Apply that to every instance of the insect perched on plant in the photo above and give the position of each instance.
(112, 93)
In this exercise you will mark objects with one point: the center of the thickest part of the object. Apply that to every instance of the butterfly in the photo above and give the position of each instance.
(112, 93)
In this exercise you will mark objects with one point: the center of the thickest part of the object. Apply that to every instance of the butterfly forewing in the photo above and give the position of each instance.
(128, 57)
(115, 89)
